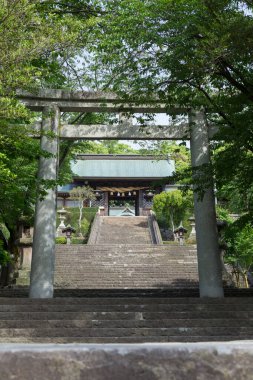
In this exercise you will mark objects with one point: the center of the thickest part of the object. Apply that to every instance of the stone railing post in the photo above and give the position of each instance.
(43, 256)
(209, 264)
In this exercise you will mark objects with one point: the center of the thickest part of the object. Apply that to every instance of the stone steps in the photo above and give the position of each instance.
(241, 333)
(143, 308)
(128, 247)
(152, 323)
(125, 266)
(125, 320)
(122, 316)
(178, 293)
(124, 230)
(118, 340)
(111, 297)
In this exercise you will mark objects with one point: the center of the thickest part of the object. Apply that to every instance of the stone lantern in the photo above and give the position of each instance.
(68, 231)
(193, 230)
(180, 232)
(149, 195)
(221, 224)
(62, 216)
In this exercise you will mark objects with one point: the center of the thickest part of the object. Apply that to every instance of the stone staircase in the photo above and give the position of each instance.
(123, 230)
(125, 266)
(125, 320)
(125, 293)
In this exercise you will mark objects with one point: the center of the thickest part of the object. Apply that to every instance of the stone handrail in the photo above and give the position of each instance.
(154, 229)
(95, 229)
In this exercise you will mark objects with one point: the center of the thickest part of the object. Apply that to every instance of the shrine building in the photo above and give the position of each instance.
(119, 181)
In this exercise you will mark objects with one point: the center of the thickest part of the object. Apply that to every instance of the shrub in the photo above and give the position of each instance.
(172, 207)
(4, 256)
(77, 240)
(61, 240)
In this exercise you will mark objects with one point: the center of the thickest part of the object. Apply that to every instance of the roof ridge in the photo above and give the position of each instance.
(121, 156)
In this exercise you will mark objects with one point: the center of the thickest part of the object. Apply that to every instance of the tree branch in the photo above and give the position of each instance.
(226, 74)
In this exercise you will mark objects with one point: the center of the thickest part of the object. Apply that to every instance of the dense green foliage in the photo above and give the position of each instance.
(182, 51)
(236, 242)
(61, 240)
(240, 246)
(39, 41)
(172, 206)
(4, 256)
(37, 44)
(195, 53)
(238, 239)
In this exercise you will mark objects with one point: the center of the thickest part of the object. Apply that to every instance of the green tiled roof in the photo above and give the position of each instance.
(123, 168)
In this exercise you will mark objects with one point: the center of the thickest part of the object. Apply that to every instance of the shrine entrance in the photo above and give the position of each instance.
(120, 181)
(123, 203)
(195, 128)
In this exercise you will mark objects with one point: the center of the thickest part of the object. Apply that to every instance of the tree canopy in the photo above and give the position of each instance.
(194, 53)
(184, 51)
(39, 41)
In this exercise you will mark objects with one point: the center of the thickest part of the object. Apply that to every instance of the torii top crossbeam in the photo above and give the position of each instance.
(69, 101)
(87, 101)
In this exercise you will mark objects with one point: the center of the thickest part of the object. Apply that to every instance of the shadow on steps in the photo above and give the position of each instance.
(162, 292)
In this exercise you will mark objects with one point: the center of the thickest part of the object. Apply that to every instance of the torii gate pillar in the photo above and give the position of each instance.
(209, 262)
(43, 257)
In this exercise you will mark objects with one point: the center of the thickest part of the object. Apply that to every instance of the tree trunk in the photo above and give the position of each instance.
(80, 217)
(172, 222)
(12, 268)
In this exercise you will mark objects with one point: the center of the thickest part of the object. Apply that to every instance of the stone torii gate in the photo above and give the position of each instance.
(52, 103)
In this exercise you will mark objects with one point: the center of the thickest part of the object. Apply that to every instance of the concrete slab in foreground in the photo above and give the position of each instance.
(232, 360)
